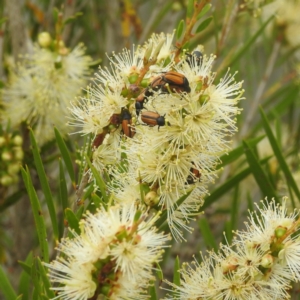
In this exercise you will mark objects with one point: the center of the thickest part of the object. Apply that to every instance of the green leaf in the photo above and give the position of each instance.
(152, 292)
(176, 274)
(37, 214)
(234, 154)
(204, 10)
(179, 29)
(63, 190)
(24, 283)
(190, 9)
(73, 221)
(229, 184)
(234, 215)
(5, 286)
(99, 181)
(65, 155)
(72, 18)
(259, 174)
(45, 279)
(278, 153)
(44, 183)
(204, 25)
(26, 267)
(207, 234)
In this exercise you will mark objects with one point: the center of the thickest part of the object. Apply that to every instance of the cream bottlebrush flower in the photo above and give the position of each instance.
(175, 117)
(261, 263)
(113, 256)
(182, 154)
(42, 88)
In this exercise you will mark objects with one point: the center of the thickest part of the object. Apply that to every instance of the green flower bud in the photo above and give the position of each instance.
(267, 261)
(17, 140)
(44, 39)
(6, 156)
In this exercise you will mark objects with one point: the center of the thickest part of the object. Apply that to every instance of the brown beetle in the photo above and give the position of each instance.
(152, 118)
(127, 123)
(170, 81)
(99, 139)
(194, 177)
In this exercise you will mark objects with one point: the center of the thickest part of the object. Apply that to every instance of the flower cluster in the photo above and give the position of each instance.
(164, 119)
(113, 256)
(11, 156)
(261, 263)
(43, 84)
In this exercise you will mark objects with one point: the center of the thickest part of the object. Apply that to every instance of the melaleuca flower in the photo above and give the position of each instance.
(176, 121)
(113, 255)
(42, 87)
(260, 264)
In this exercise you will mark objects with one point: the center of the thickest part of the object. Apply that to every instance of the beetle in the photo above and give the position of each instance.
(139, 105)
(170, 81)
(192, 178)
(127, 123)
(194, 59)
(152, 118)
(99, 139)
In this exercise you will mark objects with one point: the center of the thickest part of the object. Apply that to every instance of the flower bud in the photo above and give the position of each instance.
(6, 156)
(230, 264)
(151, 198)
(280, 231)
(44, 39)
(17, 140)
(18, 153)
(6, 180)
(13, 168)
(2, 141)
(267, 261)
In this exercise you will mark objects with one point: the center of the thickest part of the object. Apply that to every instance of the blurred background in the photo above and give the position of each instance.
(49, 51)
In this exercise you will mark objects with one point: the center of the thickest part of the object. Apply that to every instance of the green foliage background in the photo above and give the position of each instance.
(264, 161)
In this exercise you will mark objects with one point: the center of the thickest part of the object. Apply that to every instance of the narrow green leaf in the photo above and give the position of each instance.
(44, 183)
(278, 153)
(72, 18)
(6, 287)
(26, 267)
(73, 221)
(237, 152)
(250, 41)
(20, 297)
(99, 181)
(63, 190)
(65, 155)
(179, 29)
(232, 225)
(229, 184)
(50, 293)
(207, 235)
(36, 280)
(204, 24)
(259, 174)
(24, 283)
(176, 274)
(152, 292)
(37, 213)
(190, 9)
(204, 11)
